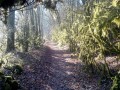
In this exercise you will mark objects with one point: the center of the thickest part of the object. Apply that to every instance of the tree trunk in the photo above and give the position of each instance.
(26, 33)
(11, 30)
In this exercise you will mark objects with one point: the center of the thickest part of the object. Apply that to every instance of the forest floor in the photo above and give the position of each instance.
(52, 68)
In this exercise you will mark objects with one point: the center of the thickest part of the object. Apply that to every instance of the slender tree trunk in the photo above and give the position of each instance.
(26, 33)
(11, 30)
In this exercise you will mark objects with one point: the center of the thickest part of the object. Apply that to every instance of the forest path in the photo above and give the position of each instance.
(53, 69)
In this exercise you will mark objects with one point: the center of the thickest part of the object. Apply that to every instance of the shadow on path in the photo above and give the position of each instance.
(53, 69)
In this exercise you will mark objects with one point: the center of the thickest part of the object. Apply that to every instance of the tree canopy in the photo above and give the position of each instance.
(8, 3)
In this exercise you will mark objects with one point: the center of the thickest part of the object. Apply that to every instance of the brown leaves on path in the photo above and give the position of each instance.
(51, 68)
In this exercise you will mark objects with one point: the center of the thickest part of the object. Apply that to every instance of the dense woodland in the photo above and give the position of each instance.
(90, 28)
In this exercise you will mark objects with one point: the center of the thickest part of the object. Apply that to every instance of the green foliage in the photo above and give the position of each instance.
(23, 42)
(116, 83)
(11, 64)
(10, 60)
(93, 33)
(8, 82)
(35, 41)
(59, 35)
(98, 34)
(1, 75)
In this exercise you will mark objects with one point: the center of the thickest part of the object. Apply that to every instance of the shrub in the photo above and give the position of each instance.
(116, 83)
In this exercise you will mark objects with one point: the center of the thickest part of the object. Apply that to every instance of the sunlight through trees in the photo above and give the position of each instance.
(90, 28)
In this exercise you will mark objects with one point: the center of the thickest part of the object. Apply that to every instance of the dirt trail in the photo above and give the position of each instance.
(63, 70)
(54, 70)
